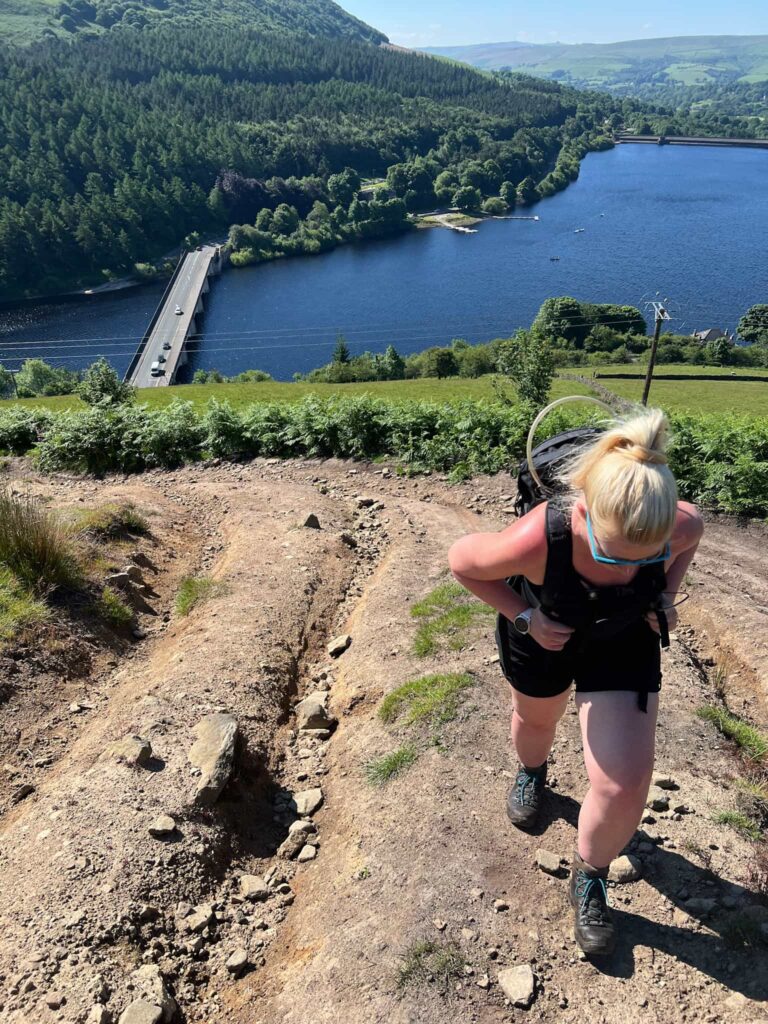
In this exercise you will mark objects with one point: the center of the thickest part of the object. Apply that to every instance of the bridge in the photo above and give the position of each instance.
(175, 319)
(692, 140)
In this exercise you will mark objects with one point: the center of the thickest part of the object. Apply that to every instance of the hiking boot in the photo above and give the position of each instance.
(593, 928)
(524, 798)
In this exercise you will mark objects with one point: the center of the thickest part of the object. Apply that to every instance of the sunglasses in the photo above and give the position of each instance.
(662, 557)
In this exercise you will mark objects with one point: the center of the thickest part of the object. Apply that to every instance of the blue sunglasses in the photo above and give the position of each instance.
(623, 561)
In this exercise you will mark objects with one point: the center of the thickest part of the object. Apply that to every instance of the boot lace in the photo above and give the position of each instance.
(593, 900)
(529, 787)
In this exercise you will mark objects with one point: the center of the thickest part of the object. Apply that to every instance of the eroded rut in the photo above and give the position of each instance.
(100, 915)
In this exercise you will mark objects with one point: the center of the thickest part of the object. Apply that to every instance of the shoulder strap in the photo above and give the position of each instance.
(559, 555)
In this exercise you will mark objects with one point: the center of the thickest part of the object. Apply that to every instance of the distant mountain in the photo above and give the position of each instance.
(23, 21)
(628, 66)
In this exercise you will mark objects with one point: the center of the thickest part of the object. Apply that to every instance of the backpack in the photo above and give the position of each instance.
(548, 458)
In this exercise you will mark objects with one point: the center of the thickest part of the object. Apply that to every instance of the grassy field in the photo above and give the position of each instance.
(696, 396)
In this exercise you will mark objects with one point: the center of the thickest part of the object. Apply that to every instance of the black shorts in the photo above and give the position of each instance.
(628, 660)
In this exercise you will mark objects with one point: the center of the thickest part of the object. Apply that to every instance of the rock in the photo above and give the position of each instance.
(304, 827)
(625, 869)
(339, 644)
(483, 981)
(681, 809)
(22, 792)
(238, 961)
(500, 905)
(99, 1015)
(253, 887)
(312, 522)
(132, 750)
(290, 846)
(54, 1000)
(312, 713)
(659, 803)
(214, 754)
(735, 1001)
(141, 1012)
(308, 801)
(149, 983)
(665, 782)
(348, 539)
(440, 924)
(134, 574)
(700, 905)
(364, 502)
(548, 862)
(307, 853)
(200, 918)
(518, 984)
(162, 826)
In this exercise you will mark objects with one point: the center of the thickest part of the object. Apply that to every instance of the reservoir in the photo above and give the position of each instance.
(686, 224)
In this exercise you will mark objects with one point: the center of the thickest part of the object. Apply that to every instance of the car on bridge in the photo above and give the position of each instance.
(166, 345)
(178, 311)
(157, 370)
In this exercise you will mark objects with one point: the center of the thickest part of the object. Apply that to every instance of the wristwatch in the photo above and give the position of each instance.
(522, 622)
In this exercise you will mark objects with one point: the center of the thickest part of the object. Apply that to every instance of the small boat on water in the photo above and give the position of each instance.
(579, 230)
(554, 258)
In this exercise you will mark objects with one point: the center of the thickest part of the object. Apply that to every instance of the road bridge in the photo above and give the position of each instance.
(175, 319)
(690, 140)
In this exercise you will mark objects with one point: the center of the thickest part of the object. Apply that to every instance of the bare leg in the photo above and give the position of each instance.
(618, 752)
(534, 721)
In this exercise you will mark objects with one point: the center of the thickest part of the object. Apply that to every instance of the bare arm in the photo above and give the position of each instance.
(688, 531)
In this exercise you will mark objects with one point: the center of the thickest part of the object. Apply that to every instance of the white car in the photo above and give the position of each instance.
(178, 311)
(157, 370)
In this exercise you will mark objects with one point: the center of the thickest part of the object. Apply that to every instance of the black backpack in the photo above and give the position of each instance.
(548, 459)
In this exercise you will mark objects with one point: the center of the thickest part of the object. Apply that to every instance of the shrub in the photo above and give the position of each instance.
(102, 386)
(110, 521)
(21, 427)
(34, 545)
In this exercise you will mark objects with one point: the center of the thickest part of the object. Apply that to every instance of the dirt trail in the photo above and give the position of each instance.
(88, 895)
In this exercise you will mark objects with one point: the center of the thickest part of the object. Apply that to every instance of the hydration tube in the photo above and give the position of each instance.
(535, 425)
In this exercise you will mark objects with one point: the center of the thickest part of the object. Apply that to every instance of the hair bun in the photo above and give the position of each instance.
(641, 453)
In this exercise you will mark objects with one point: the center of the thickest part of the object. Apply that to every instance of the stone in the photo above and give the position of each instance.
(311, 522)
(238, 961)
(149, 983)
(54, 1000)
(500, 905)
(364, 502)
(348, 539)
(440, 924)
(200, 918)
(548, 862)
(304, 827)
(518, 984)
(700, 905)
(339, 644)
(665, 782)
(483, 981)
(134, 574)
(99, 1015)
(22, 792)
(625, 869)
(253, 887)
(307, 853)
(308, 801)
(312, 712)
(131, 750)
(141, 1012)
(214, 754)
(646, 847)
(659, 803)
(290, 846)
(162, 826)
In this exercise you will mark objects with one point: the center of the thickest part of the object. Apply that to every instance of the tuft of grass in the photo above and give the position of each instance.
(193, 591)
(739, 931)
(35, 545)
(381, 770)
(433, 698)
(111, 607)
(448, 612)
(427, 961)
(108, 522)
(742, 823)
(750, 741)
(18, 608)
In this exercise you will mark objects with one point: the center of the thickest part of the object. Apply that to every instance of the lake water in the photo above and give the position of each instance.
(688, 224)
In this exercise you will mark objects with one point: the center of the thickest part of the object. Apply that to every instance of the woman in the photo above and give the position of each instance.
(587, 572)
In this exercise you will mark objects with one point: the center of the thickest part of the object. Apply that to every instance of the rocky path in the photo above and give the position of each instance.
(303, 894)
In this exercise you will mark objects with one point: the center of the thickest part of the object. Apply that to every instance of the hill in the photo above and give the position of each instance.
(22, 21)
(627, 66)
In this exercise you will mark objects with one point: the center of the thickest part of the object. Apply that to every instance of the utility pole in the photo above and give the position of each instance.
(661, 315)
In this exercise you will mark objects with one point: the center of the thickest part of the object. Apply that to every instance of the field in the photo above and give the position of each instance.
(697, 396)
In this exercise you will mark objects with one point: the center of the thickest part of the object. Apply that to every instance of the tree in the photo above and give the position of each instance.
(439, 362)
(508, 193)
(467, 198)
(343, 187)
(102, 386)
(285, 220)
(393, 364)
(753, 326)
(720, 351)
(341, 351)
(527, 360)
(7, 390)
(562, 317)
(526, 191)
(495, 206)
(37, 378)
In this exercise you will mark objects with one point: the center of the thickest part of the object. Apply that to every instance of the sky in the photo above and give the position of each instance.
(456, 22)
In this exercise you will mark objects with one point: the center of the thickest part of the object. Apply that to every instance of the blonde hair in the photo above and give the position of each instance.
(627, 485)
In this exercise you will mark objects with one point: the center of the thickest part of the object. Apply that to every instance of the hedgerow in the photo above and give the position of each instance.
(720, 461)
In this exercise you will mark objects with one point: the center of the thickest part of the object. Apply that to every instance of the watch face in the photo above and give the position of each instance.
(522, 623)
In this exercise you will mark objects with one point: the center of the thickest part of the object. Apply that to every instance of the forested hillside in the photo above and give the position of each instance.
(112, 145)
(25, 20)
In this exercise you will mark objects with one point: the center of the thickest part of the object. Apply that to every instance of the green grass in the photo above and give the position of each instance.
(750, 741)
(742, 823)
(193, 591)
(429, 961)
(18, 608)
(111, 607)
(433, 699)
(449, 612)
(108, 522)
(35, 545)
(381, 770)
